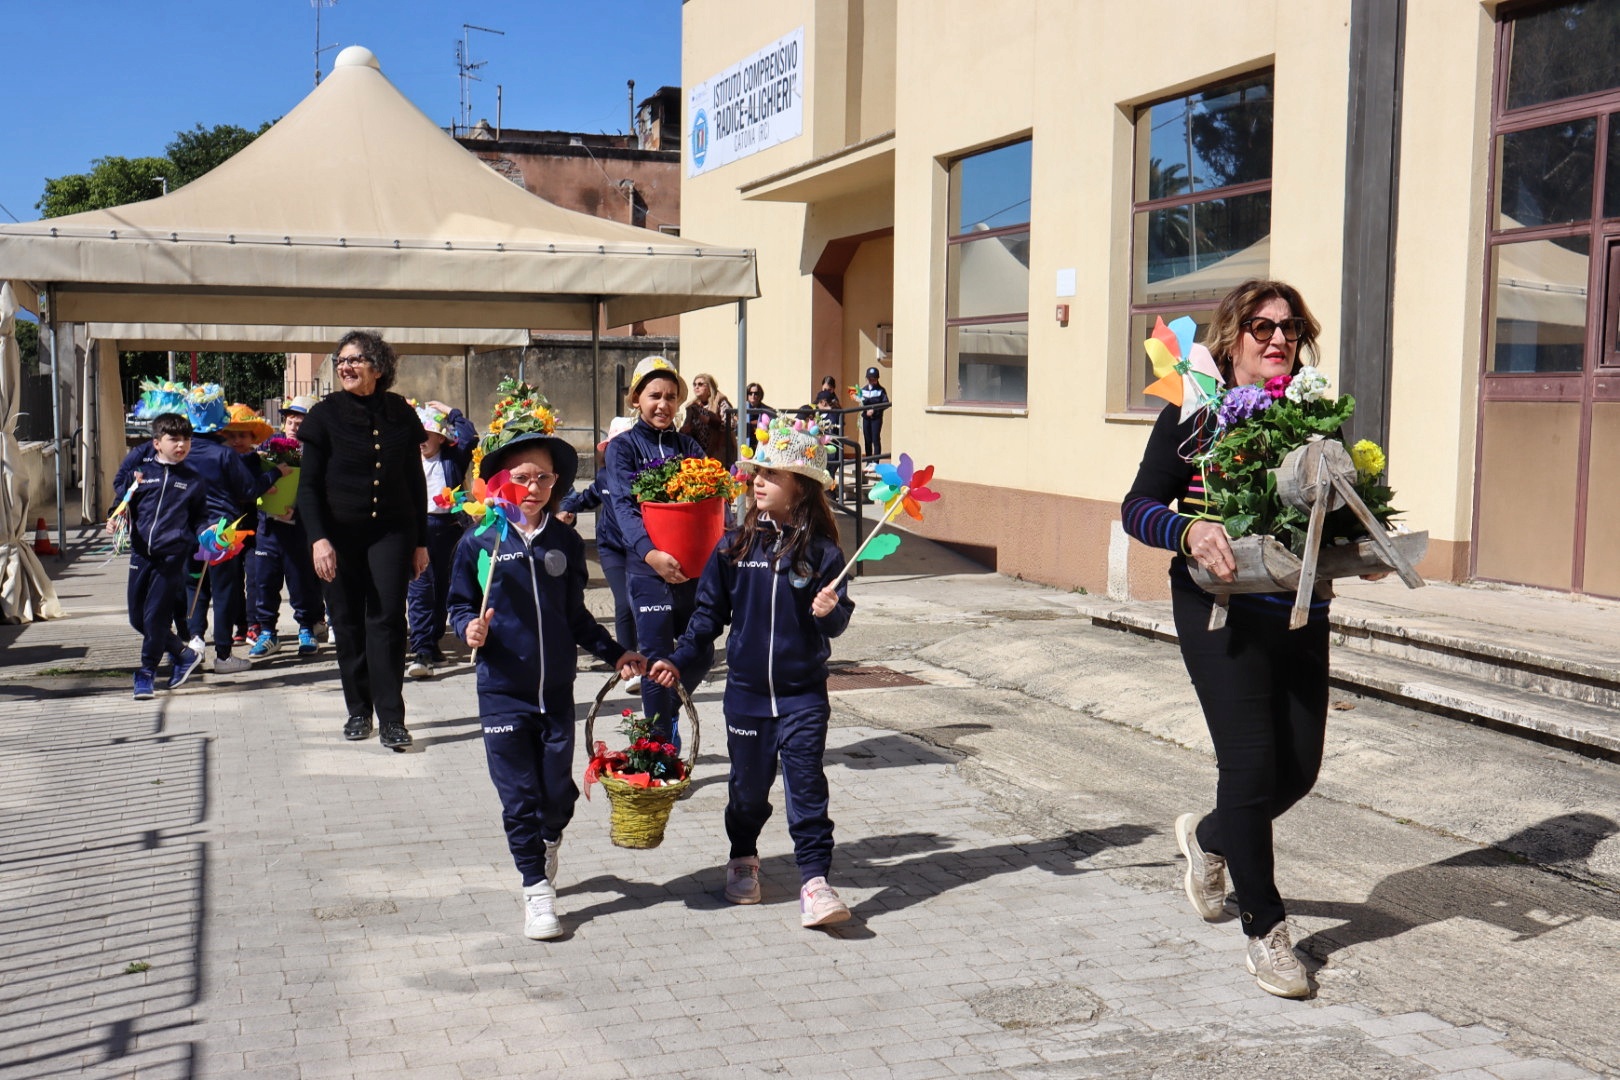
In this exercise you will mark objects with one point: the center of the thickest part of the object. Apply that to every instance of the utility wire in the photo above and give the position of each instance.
(9, 214)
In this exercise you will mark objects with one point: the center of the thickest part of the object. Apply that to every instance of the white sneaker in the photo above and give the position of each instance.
(551, 860)
(1205, 879)
(819, 904)
(1272, 962)
(331, 636)
(198, 646)
(742, 880)
(230, 665)
(540, 921)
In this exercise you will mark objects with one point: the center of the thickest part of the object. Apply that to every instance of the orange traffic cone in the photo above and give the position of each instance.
(42, 539)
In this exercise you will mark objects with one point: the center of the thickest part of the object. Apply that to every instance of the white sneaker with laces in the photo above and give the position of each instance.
(819, 904)
(540, 922)
(1205, 880)
(1272, 962)
(742, 880)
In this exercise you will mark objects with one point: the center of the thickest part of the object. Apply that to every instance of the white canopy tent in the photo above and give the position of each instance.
(26, 593)
(353, 210)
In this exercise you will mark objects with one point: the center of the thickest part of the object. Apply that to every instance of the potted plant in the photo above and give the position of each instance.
(683, 506)
(279, 500)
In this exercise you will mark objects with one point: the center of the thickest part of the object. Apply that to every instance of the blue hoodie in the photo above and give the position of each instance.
(229, 483)
(596, 497)
(628, 454)
(168, 510)
(537, 590)
(776, 655)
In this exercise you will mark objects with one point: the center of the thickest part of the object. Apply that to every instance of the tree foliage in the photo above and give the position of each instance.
(114, 181)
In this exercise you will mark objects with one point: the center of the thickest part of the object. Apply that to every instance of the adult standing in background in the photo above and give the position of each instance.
(874, 403)
(711, 419)
(361, 499)
(759, 413)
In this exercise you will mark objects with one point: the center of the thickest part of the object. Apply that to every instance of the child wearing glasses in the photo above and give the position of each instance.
(525, 625)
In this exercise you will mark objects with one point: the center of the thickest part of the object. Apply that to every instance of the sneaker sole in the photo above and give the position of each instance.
(416, 671)
(1294, 993)
(547, 934)
(750, 898)
(1185, 824)
(832, 918)
(144, 697)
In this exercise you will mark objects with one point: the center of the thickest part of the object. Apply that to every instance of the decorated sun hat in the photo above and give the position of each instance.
(159, 396)
(300, 404)
(243, 418)
(655, 365)
(618, 426)
(205, 405)
(434, 421)
(795, 446)
(523, 417)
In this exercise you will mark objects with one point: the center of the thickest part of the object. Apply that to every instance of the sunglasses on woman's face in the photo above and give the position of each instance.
(1263, 329)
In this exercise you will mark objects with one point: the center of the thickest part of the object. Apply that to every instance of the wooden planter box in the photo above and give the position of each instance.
(1265, 566)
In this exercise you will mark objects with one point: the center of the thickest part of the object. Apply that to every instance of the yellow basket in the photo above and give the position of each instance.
(639, 814)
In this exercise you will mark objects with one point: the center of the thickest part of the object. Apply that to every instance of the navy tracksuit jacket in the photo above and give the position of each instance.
(428, 594)
(872, 426)
(776, 686)
(231, 489)
(661, 609)
(166, 513)
(526, 675)
(609, 552)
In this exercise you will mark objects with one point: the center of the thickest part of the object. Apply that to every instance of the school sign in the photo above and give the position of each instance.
(749, 107)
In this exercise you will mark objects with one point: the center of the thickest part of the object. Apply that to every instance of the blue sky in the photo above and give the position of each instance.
(83, 79)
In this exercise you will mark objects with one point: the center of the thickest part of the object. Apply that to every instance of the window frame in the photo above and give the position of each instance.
(1134, 400)
(952, 361)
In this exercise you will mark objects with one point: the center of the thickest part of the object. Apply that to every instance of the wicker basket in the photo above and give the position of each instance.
(638, 815)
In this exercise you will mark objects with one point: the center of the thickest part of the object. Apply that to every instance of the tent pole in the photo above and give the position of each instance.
(596, 367)
(744, 421)
(47, 310)
(466, 380)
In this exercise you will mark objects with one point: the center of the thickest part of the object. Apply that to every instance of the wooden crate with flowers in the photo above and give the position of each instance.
(1299, 508)
(645, 779)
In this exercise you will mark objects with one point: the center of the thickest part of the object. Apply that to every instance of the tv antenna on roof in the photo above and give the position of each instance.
(317, 5)
(465, 68)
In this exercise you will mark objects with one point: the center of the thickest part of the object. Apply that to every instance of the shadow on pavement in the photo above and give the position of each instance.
(1500, 885)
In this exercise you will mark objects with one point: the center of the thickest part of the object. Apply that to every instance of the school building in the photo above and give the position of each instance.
(991, 200)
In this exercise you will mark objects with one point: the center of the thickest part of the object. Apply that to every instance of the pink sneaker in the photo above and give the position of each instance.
(742, 880)
(819, 904)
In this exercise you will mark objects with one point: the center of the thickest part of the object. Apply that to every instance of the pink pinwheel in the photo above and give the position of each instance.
(906, 483)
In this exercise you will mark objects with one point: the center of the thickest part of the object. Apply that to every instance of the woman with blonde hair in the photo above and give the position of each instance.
(711, 419)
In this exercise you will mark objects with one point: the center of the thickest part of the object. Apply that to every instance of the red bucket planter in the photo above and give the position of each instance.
(687, 530)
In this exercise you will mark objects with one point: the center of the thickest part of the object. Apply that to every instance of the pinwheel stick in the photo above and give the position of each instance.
(894, 508)
(483, 602)
(198, 592)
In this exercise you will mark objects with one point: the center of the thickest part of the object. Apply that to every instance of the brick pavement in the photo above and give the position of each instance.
(311, 908)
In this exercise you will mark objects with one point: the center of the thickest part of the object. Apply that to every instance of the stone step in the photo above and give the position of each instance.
(1509, 684)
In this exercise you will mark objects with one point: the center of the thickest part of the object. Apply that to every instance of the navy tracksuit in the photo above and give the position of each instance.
(872, 426)
(231, 489)
(776, 704)
(526, 675)
(661, 609)
(609, 552)
(283, 552)
(166, 512)
(428, 594)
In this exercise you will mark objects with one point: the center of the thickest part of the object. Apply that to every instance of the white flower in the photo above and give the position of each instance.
(1308, 385)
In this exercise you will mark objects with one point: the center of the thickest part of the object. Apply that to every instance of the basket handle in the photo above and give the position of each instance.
(690, 745)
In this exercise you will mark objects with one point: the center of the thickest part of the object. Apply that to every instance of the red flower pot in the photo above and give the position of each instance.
(687, 530)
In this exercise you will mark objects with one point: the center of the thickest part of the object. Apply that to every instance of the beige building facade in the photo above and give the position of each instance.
(991, 200)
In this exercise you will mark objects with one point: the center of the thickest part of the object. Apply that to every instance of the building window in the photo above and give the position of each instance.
(987, 277)
(1201, 212)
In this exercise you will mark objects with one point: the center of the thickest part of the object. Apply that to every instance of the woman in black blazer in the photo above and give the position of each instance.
(363, 499)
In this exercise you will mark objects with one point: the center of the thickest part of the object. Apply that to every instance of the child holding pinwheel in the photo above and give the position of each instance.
(774, 580)
(517, 596)
(164, 501)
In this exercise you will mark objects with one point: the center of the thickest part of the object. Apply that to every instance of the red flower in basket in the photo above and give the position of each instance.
(647, 763)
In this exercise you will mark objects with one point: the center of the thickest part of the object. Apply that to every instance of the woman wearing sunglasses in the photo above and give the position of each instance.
(1263, 687)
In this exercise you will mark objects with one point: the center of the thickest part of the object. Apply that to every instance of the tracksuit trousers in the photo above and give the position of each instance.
(531, 761)
(624, 615)
(428, 596)
(798, 740)
(223, 589)
(661, 612)
(157, 586)
(367, 605)
(283, 553)
(1264, 691)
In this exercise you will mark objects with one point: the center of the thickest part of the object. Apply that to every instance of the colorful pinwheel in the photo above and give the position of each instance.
(220, 542)
(1187, 375)
(900, 487)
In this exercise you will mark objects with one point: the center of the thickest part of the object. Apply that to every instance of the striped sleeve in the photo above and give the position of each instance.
(1162, 478)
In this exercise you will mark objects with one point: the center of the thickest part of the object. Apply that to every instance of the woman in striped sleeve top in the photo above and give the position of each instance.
(1263, 687)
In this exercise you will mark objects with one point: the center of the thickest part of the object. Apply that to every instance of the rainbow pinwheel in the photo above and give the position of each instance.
(220, 542)
(1187, 375)
(500, 504)
(900, 487)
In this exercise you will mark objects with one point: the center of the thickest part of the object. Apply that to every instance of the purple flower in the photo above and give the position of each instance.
(1242, 402)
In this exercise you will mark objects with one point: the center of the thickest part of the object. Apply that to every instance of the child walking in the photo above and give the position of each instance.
(446, 456)
(167, 510)
(769, 580)
(525, 630)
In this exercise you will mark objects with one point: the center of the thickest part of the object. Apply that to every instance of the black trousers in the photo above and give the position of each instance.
(1264, 690)
(872, 434)
(367, 605)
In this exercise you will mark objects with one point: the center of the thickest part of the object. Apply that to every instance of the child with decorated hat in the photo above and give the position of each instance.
(609, 544)
(446, 456)
(282, 553)
(243, 434)
(770, 580)
(525, 619)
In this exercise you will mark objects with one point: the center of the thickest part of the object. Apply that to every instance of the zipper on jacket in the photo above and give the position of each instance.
(158, 512)
(770, 641)
(539, 617)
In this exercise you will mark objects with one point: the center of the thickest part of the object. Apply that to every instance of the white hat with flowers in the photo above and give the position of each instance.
(433, 421)
(796, 446)
(655, 365)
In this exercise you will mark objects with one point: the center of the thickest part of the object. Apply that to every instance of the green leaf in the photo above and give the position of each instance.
(1239, 525)
(879, 547)
(486, 566)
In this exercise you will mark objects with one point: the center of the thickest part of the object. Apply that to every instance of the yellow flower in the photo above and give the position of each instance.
(496, 424)
(1369, 459)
